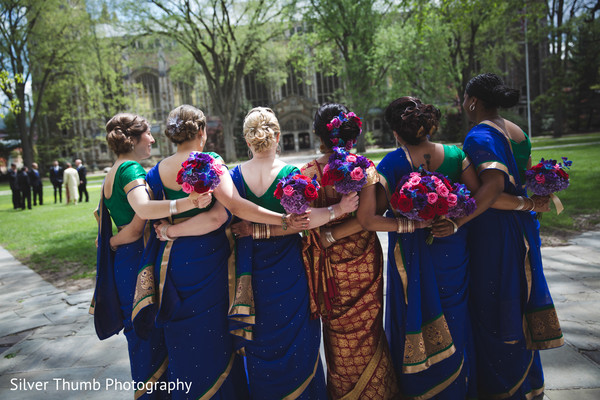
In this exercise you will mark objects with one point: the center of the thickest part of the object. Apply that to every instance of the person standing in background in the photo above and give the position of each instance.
(36, 184)
(24, 187)
(14, 185)
(71, 183)
(56, 177)
(82, 181)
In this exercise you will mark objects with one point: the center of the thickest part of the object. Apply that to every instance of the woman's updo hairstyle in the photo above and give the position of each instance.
(490, 89)
(183, 123)
(349, 130)
(411, 119)
(261, 128)
(123, 131)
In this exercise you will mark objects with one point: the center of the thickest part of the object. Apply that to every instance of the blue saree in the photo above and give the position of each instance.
(271, 317)
(116, 274)
(183, 288)
(512, 311)
(427, 321)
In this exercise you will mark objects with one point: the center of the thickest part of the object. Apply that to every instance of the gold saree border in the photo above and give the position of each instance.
(427, 347)
(133, 184)
(296, 393)
(496, 165)
(97, 213)
(154, 378)
(367, 373)
(440, 387)
(217, 385)
(534, 393)
(164, 266)
(145, 292)
(466, 163)
(399, 259)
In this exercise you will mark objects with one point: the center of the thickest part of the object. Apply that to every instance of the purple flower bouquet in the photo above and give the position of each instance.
(296, 191)
(345, 171)
(199, 173)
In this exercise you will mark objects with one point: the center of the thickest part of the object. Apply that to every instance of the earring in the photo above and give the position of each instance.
(249, 154)
(278, 148)
(472, 107)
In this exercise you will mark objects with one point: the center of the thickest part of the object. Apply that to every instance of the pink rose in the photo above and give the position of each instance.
(218, 167)
(288, 190)
(351, 158)
(432, 197)
(442, 190)
(357, 174)
(329, 127)
(413, 174)
(187, 187)
(336, 123)
(415, 180)
(540, 179)
(452, 199)
(436, 180)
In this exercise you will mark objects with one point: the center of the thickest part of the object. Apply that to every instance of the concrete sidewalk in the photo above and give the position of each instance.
(49, 349)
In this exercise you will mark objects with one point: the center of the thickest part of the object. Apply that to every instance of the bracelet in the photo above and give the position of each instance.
(261, 231)
(454, 224)
(521, 203)
(331, 213)
(329, 236)
(163, 232)
(405, 225)
(173, 207)
(284, 224)
(530, 208)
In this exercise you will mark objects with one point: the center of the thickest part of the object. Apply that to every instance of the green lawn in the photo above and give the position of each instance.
(55, 239)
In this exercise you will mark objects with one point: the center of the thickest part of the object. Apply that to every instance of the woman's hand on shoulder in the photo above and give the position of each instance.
(349, 202)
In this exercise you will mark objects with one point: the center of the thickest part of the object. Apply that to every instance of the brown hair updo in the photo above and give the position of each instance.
(411, 119)
(348, 131)
(183, 123)
(261, 128)
(124, 130)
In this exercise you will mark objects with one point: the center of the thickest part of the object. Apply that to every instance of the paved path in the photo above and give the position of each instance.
(47, 337)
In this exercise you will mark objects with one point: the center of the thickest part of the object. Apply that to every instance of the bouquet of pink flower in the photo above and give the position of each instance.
(547, 178)
(296, 191)
(425, 195)
(345, 171)
(199, 173)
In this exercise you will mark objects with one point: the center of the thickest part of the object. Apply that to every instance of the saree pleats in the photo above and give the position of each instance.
(113, 299)
(346, 285)
(427, 320)
(512, 310)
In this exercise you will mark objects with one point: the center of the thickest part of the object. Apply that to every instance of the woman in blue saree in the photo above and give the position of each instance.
(511, 308)
(191, 295)
(282, 342)
(123, 200)
(426, 320)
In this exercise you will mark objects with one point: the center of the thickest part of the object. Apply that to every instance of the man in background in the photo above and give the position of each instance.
(71, 183)
(56, 177)
(13, 174)
(35, 180)
(24, 187)
(82, 181)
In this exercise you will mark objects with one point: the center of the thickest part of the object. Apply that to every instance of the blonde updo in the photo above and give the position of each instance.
(124, 130)
(183, 123)
(261, 128)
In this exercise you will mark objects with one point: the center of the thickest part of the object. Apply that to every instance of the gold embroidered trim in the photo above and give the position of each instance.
(217, 385)
(368, 372)
(401, 270)
(133, 184)
(534, 393)
(442, 385)
(231, 279)
(496, 165)
(542, 329)
(372, 176)
(92, 305)
(164, 265)
(159, 372)
(427, 347)
(296, 393)
(144, 290)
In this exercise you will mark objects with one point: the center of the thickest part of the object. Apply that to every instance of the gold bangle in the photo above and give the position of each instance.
(268, 231)
(454, 224)
(173, 207)
(284, 223)
(532, 204)
(329, 236)
(521, 203)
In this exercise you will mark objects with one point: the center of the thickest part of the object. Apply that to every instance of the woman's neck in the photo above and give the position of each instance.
(131, 156)
(487, 115)
(190, 145)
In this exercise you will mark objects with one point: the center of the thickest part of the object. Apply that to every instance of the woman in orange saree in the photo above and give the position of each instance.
(344, 264)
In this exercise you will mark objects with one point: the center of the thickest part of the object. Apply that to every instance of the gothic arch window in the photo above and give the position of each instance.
(256, 91)
(326, 87)
(182, 93)
(294, 84)
(148, 92)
